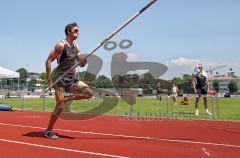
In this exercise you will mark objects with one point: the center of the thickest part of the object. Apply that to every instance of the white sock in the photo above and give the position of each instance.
(206, 110)
(196, 110)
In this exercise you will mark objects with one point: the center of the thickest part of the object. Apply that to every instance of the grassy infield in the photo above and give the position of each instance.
(229, 108)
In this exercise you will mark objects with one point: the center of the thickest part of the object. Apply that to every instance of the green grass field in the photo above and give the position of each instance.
(227, 109)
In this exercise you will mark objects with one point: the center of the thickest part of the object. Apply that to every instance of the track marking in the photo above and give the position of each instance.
(205, 151)
(63, 149)
(129, 136)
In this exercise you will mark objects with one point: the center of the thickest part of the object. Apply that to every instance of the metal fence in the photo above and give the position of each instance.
(137, 107)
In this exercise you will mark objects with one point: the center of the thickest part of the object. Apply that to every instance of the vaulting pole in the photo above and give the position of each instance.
(103, 42)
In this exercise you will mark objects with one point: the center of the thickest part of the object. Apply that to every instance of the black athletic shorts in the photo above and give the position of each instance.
(66, 82)
(202, 91)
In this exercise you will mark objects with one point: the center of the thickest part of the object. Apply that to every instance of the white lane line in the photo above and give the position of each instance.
(205, 151)
(129, 136)
(63, 149)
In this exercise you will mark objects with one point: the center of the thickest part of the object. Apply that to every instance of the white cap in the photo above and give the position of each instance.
(196, 69)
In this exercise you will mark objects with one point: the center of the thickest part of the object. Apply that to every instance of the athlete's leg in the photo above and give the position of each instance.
(80, 90)
(174, 99)
(59, 97)
(205, 102)
(206, 105)
(196, 104)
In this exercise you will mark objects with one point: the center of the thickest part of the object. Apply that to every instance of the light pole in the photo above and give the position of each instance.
(182, 83)
(27, 77)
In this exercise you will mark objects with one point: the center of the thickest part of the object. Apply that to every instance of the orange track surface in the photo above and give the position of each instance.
(21, 136)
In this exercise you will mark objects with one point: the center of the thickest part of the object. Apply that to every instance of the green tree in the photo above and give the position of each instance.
(23, 74)
(80, 75)
(88, 77)
(43, 77)
(148, 78)
(102, 78)
(164, 84)
(232, 86)
(216, 85)
(187, 84)
(103, 82)
(31, 84)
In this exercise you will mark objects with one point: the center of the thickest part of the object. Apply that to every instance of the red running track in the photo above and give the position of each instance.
(21, 136)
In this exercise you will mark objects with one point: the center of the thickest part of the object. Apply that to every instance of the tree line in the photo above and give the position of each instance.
(146, 81)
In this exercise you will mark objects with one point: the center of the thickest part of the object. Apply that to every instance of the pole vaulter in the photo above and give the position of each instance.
(103, 42)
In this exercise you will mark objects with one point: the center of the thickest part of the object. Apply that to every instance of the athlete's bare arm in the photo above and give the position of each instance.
(194, 83)
(52, 56)
(207, 83)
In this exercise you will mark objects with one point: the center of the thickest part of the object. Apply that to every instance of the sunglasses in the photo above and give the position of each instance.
(75, 31)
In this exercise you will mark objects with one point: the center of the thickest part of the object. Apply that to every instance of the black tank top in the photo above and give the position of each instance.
(201, 81)
(67, 58)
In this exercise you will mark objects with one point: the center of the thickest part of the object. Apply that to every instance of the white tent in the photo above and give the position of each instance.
(5, 73)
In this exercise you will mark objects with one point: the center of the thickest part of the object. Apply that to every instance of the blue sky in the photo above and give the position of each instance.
(178, 33)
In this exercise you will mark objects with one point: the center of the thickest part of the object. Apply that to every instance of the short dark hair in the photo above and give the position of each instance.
(69, 27)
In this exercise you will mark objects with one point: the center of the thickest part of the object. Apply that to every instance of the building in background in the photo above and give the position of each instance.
(38, 86)
(223, 82)
(33, 75)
